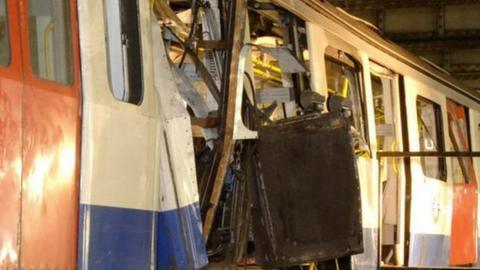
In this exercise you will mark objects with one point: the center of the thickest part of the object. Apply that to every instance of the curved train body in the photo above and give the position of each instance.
(97, 161)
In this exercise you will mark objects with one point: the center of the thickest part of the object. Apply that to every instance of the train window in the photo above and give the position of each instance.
(458, 127)
(343, 80)
(123, 48)
(50, 36)
(384, 114)
(430, 128)
(4, 41)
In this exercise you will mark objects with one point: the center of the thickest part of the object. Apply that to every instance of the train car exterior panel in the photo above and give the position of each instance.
(49, 128)
(431, 207)
(11, 92)
(119, 185)
(179, 213)
(369, 194)
(51, 141)
(371, 44)
(133, 202)
(464, 185)
(423, 231)
(144, 185)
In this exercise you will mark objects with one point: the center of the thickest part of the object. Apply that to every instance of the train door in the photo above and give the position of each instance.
(11, 89)
(117, 208)
(464, 208)
(39, 116)
(388, 138)
(344, 78)
(50, 125)
(428, 201)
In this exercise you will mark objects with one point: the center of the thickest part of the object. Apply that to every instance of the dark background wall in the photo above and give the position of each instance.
(445, 32)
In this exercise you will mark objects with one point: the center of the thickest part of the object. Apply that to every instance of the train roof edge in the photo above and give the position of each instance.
(373, 36)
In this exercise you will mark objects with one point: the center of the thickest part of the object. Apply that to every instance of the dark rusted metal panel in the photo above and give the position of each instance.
(307, 205)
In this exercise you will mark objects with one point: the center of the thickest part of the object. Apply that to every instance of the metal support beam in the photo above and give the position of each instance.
(226, 143)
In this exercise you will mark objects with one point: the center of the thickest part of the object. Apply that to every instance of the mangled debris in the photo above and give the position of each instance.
(275, 165)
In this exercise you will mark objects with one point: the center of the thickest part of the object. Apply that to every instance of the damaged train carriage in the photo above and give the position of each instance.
(315, 113)
(271, 133)
(267, 99)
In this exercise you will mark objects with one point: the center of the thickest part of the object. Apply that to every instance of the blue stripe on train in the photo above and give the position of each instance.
(429, 250)
(121, 239)
(118, 238)
(172, 252)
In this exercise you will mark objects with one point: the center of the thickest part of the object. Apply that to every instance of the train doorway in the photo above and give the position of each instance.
(391, 172)
(464, 206)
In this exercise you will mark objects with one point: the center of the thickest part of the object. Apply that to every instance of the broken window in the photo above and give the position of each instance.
(387, 139)
(459, 134)
(260, 69)
(279, 61)
(429, 118)
(343, 81)
(123, 50)
(383, 102)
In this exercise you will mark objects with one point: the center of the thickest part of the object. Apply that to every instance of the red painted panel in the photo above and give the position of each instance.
(10, 147)
(463, 249)
(10, 169)
(49, 198)
(51, 128)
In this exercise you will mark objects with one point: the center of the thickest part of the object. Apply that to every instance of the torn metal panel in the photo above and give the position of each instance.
(195, 100)
(308, 204)
(190, 94)
(247, 84)
(190, 72)
(287, 61)
(162, 10)
(240, 131)
(181, 212)
(270, 95)
(199, 67)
